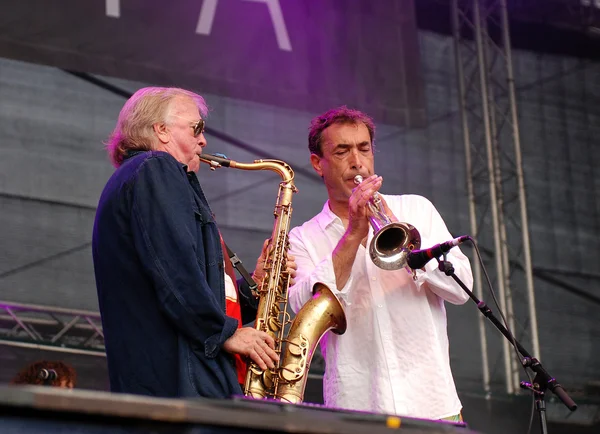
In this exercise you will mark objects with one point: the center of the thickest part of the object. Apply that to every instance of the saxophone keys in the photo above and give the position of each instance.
(274, 324)
(298, 346)
(267, 380)
(292, 372)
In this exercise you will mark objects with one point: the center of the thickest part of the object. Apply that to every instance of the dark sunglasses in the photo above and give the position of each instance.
(198, 127)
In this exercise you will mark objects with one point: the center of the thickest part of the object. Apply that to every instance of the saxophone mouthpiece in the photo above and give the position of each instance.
(215, 161)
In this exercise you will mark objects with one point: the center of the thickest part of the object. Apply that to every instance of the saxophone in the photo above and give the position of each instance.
(287, 381)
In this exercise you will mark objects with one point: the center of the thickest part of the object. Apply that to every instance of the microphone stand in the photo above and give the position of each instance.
(542, 380)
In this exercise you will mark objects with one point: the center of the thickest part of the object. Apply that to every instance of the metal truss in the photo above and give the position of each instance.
(497, 200)
(575, 15)
(51, 328)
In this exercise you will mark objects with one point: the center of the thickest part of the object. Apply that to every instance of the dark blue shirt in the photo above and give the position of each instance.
(159, 273)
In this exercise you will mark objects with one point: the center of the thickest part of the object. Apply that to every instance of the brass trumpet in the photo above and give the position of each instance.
(392, 241)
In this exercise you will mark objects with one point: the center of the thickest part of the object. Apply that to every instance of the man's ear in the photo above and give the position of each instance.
(162, 133)
(315, 160)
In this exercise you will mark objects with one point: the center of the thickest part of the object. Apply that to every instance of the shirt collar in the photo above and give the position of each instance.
(326, 217)
(132, 153)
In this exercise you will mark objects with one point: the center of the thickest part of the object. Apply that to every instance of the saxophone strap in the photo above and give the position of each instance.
(237, 264)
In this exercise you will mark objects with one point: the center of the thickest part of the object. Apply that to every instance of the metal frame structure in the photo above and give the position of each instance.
(494, 181)
(497, 199)
(51, 328)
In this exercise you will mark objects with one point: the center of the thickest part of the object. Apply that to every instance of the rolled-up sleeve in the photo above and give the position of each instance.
(310, 273)
(432, 278)
(164, 232)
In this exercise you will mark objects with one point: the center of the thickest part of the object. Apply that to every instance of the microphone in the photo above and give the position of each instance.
(418, 258)
(47, 374)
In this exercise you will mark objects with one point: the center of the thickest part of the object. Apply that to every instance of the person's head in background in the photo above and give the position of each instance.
(47, 373)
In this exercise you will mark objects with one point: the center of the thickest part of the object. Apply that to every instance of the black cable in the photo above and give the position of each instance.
(542, 274)
(46, 259)
(310, 174)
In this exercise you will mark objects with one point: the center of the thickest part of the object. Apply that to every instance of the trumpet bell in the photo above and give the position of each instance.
(391, 245)
(392, 241)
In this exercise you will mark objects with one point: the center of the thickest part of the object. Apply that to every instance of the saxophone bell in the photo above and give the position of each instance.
(392, 241)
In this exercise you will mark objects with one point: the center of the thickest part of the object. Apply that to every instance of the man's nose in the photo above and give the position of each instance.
(202, 140)
(355, 160)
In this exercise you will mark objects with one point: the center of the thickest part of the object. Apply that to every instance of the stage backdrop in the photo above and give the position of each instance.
(301, 54)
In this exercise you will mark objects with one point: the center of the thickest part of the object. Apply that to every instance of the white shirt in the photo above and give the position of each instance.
(394, 356)
(230, 291)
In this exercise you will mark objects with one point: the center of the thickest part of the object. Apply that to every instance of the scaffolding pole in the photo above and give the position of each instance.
(51, 328)
(495, 184)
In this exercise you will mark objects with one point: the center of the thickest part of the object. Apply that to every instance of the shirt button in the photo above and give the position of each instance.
(380, 305)
(373, 278)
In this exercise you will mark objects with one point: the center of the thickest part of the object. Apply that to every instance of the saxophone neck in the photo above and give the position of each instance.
(216, 161)
(281, 167)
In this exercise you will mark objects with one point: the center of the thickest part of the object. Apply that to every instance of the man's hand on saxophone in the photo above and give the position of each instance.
(255, 344)
(252, 343)
(259, 271)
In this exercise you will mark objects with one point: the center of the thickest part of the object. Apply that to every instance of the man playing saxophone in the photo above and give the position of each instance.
(393, 357)
(170, 309)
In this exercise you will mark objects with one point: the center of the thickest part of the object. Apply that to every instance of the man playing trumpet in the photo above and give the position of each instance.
(393, 357)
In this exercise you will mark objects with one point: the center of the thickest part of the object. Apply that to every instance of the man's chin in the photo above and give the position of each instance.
(341, 196)
(194, 165)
